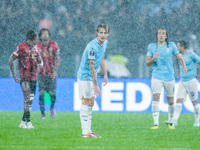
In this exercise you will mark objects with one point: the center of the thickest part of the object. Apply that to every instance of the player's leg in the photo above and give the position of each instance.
(86, 94)
(32, 85)
(89, 102)
(24, 118)
(196, 112)
(26, 92)
(193, 94)
(181, 96)
(156, 89)
(84, 110)
(169, 91)
(41, 84)
(177, 110)
(52, 90)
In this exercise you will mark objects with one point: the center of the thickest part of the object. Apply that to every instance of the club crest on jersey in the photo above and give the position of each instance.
(167, 49)
(91, 53)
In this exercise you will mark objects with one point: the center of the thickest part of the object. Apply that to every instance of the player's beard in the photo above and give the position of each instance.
(45, 41)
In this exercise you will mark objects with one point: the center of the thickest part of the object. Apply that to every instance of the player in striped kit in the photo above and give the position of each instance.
(28, 60)
(50, 54)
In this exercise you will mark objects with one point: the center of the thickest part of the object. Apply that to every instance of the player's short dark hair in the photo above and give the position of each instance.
(166, 40)
(104, 26)
(42, 30)
(183, 44)
(31, 35)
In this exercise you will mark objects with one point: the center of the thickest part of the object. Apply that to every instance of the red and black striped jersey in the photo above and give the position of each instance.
(48, 54)
(27, 61)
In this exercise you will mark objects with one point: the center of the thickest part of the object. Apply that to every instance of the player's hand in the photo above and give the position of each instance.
(16, 79)
(155, 56)
(184, 69)
(105, 79)
(54, 75)
(97, 91)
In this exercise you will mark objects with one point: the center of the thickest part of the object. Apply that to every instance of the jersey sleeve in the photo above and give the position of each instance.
(174, 48)
(18, 52)
(149, 51)
(195, 57)
(91, 52)
(56, 49)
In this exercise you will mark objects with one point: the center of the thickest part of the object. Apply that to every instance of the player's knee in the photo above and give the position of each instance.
(194, 102)
(91, 102)
(85, 101)
(170, 100)
(179, 100)
(156, 97)
(88, 101)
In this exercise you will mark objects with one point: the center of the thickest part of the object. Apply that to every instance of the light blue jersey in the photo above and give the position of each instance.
(92, 51)
(163, 66)
(191, 59)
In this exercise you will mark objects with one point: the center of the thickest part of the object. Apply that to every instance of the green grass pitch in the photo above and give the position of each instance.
(118, 131)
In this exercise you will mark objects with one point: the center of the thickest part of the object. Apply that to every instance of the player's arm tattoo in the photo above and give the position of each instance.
(103, 66)
(92, 71)
(11, 59)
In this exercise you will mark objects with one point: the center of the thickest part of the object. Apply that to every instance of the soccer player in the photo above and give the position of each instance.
(50, 54)
(188, 82)
(92, 58)
(160, 54)
(28, 59)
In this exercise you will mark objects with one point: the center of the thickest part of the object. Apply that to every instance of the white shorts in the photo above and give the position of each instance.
(86, 89)
(190, 88)
(157, 85)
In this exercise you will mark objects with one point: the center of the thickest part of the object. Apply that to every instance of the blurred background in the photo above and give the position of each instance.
(72, 23)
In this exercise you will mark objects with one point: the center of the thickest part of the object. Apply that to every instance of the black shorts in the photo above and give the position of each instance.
(46, 83)
(32, 85)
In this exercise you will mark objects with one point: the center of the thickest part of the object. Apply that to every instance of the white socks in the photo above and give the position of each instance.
(155, 112)
(178, 108)
(86, 118)
(170, 113)
(177, 111)
(196, 113)
(89, 119)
